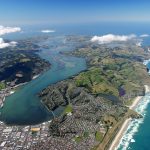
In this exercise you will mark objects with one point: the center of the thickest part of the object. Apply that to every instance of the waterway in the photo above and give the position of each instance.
(24, 106)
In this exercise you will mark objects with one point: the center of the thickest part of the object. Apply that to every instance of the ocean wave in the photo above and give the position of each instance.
(145, 62)
(134, 125)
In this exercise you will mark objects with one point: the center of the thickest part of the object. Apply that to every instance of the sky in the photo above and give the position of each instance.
(73, 11)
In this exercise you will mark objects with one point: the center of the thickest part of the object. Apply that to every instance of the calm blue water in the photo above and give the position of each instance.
(24, 106)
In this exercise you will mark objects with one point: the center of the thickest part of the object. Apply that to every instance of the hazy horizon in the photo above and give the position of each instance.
(61, 12)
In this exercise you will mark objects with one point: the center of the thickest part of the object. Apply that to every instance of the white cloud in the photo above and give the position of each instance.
(3, 44)
(6, 30)
(144, 35)
(112, 38)
(48, 31)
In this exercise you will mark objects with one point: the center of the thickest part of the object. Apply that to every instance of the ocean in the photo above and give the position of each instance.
(136, 137)
(137, 134)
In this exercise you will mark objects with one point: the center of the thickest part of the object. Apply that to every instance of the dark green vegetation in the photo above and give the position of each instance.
(86, 134)
(98, 96)
(115, 71)
(123, 80)
(20, 64)
(2, 85)
(68, 109)
(97, 81)
(98, 136)
(78, 139)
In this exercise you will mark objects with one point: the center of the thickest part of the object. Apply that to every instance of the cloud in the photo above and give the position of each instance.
(144, 35)
(3, 44)
(6, 30)
(48, 31)
(112, 38)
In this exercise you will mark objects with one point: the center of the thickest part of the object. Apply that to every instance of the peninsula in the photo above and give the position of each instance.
(96, 101)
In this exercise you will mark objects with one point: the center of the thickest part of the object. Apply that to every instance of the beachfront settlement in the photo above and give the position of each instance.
(22, 137)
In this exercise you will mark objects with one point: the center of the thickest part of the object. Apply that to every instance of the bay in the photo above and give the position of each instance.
(24, 106)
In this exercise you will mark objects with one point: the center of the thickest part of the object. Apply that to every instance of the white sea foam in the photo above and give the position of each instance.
(145, 62)
(134, 124)
(139, 44)
(132, 140)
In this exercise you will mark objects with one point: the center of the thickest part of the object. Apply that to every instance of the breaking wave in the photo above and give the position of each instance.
(134, 124)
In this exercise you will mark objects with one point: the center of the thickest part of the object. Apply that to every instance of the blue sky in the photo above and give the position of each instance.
(73, 11)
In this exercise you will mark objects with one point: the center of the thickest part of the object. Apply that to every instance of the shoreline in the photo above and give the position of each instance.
(135, 102)
(147, 89)
(126, 123)
(119, 135)
(11, 90)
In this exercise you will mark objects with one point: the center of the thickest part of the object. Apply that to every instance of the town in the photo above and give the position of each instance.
(22, 137)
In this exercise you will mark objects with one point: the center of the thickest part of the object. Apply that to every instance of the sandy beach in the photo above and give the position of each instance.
(127, 121)
(119, 135)
(147, 89)
(135, 102)
(124, 126)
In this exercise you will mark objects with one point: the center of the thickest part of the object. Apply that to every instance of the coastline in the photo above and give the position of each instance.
(135, 102)
(126, 123)
(11, 90)
(118, 137)
(147, 89)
